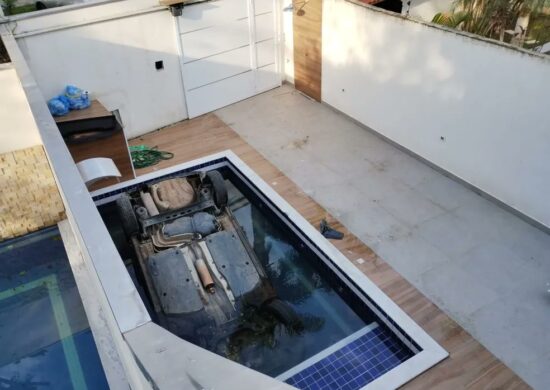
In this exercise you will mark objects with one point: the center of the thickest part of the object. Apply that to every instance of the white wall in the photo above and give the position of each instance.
(113, 59)
(17, 127)
(415, 83)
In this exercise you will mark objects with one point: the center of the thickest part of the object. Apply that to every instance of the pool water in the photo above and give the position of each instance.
(326, 317)
(45, 339)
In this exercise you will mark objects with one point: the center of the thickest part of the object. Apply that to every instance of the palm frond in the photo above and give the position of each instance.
(452, 20)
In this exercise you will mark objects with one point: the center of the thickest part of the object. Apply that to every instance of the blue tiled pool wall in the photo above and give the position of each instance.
(39, 348)
(355, 365)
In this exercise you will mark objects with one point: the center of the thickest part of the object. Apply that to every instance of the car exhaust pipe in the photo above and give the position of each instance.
(204, 273)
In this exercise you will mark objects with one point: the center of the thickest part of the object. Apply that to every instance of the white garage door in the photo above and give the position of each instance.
(229, 50)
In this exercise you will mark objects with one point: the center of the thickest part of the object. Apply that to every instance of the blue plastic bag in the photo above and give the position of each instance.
(73, 98)
(59, 105)
(77, 98)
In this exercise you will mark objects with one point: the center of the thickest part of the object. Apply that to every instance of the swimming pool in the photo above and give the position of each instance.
(352, 336)
(45, 339)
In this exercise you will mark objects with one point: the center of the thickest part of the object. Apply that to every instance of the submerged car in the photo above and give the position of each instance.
(200, 271)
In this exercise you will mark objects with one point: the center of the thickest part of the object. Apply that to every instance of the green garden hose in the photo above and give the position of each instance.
(144, 156)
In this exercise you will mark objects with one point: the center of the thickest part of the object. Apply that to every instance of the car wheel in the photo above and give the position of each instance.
(219, 190)
(127, 215)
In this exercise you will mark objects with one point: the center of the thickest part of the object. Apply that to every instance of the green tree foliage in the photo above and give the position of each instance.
(489, 18)
(9, 5)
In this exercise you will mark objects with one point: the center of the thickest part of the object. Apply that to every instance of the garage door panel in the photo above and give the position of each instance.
(263, 6)
(216, 68)
(212, 13)
(215, 40)
(265, 27)
(266, 52)
(227, 55)
(267, 78)
(220, 94)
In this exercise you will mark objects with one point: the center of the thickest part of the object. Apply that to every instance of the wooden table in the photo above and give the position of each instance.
(96, 110)
(114, 146)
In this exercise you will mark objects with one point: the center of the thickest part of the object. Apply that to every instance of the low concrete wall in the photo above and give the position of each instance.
(17, 127)
(476, 109)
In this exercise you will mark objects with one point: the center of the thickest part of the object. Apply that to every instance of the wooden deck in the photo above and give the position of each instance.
(469, 365)
(307, 20)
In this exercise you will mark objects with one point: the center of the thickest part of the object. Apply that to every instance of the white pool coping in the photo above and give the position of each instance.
(431, 352)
